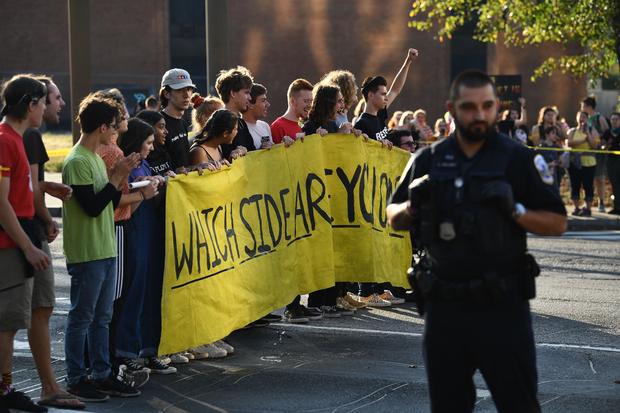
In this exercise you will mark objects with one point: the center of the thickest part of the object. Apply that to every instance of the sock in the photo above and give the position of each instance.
(7, 381)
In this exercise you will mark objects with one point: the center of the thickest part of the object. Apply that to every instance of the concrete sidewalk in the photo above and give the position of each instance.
(597, 222)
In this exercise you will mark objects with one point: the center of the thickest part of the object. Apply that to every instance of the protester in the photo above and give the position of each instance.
(345, 80)
(47, 229)
(553, 157)
(378, 98)
(600, 124)
(233, 87)
(176, 89)
(204, 106)
(441, 129)
(159, 159)
(405, 120)
(221, 129)
(395, 119)
(91, 261)
(259, 105)
(513, 119)
(582, 165)
(327, 101)
(402, 139)
(425, 131)
(137, 335)
(547, 117)
(24, 102)
(286, 127)
(611, 140)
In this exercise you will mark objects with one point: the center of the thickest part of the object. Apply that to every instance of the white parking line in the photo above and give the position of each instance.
(406, 334)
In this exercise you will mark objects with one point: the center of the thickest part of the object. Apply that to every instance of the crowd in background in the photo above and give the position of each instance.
(113, 189)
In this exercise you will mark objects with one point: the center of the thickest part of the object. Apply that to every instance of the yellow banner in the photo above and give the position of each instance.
(245, 240)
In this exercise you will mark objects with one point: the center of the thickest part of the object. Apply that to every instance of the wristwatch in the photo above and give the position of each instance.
(518, 211)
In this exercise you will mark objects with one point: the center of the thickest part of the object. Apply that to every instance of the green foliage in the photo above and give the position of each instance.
(592, 24)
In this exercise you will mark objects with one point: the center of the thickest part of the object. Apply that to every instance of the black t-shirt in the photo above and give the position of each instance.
(177, 143)
(311, 126)
(373, 126)
(160, 161)
(527, 184)
(35, 150)
(612, 142)
(243, 138)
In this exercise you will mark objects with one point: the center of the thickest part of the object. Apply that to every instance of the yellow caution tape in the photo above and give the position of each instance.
(540, 148)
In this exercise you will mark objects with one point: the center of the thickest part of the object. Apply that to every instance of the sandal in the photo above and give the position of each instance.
(62, 401)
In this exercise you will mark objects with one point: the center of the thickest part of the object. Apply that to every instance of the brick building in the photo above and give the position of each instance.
(134, 41)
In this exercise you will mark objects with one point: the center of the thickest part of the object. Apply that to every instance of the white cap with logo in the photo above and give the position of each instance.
(177, 79)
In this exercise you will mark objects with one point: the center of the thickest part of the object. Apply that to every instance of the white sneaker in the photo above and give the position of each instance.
(178, 358)
(199, 353)
(213, 351)
(224, 345)
(189, 355)
(164, 360)
(388, 296)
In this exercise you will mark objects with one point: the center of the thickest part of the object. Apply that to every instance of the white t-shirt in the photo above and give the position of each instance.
(259, 130)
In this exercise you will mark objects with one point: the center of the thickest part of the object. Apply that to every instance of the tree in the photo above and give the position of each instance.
(592, 24)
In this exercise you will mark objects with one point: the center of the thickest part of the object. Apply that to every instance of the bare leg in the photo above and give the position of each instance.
(39, 339)
(6, 350)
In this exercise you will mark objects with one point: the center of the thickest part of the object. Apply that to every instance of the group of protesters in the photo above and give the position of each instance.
(113, 189)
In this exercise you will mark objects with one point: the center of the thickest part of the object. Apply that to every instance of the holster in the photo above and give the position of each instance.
(531, 270)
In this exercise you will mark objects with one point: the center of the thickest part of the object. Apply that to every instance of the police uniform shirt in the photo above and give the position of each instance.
(530, 185)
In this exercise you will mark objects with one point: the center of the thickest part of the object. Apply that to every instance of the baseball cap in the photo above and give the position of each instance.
(177, 79)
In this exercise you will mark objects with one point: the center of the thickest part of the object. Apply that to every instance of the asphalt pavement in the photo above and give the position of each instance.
(372, 362)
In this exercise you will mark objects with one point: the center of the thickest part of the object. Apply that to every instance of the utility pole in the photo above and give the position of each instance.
(79, 57)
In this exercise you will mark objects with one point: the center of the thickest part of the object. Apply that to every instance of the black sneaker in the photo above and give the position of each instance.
(121, 385)
(295, 315)
(18, 400)
(132, 365)
(614, 211)
(586, 212)
(86, 391)
(311, 313)
(157, 367)
(138, 378)
(272, 318)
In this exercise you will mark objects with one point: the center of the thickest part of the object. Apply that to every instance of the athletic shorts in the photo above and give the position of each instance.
(43, 291)
(15, 291)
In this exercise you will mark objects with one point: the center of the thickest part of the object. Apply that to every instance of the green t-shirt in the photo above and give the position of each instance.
(86, 238)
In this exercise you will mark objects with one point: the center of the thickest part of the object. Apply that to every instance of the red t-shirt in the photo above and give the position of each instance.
(282, 127)
(14, 166)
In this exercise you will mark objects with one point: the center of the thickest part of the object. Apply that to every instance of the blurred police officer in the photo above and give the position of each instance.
(471, 198)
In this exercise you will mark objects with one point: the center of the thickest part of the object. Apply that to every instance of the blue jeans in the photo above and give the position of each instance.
(92, 296)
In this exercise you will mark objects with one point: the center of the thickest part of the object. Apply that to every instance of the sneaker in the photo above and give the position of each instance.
(178, 358)
(164, 360)
(86, 391)
(388, 296)
(212, 351)
(374, 300)
(272, 318)
(576, 212)
(343, 305)
(601, 207)
(354, 301)
(19, 401)
(132, 365)
(311, 313)
(138, 378)
(157, 367)
(199, 353)
(225, 346)
(330, 312)
(586, 212)
(295, 316)
(189, 355)
(614, 211)
(121, 385)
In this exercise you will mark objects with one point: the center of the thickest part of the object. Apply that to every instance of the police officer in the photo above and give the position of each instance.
(472, 198)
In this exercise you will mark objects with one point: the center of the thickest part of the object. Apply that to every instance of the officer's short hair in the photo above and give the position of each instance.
(471, 79)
